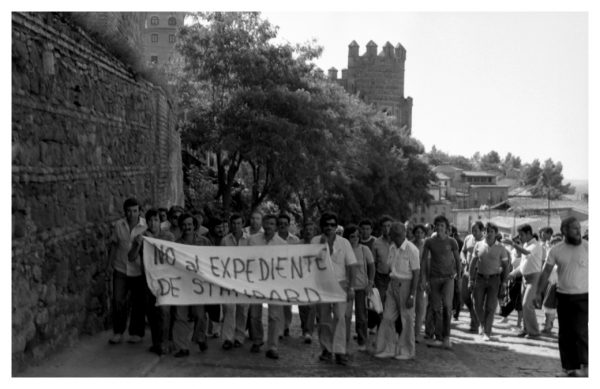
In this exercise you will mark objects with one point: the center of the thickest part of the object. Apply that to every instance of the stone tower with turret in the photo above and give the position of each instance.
(378, 79)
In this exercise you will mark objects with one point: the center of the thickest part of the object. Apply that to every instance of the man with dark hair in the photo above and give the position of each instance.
(381, 248)
(571, 258)
(127, 275)
(440, 254)
(234, 315)
(466, 254)
(488, 272)
(283, 230)
(255, 224)
(530, 268)
(159, 317)
(275, 316)
(419, 233)
(172, 224)
(366, 229)
(332, 316)
(162, 214)
(308, 312)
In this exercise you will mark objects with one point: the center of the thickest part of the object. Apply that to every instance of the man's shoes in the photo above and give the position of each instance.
(202, 346)
(435, 343)
(486, 338)
(403, 357)
(272, 354)
(182, 353)
(547, 331)
(255, 348)
(473, 330)
(419, 338)
(362, 347)
(532, 336)
(522, 334)
(384, 354)
(307, 339)
(116, 339)
(341, 359)
(286, 332)
(325, 356)
(504, 320)
(237, 344)
(134, 339)
(446, 344)
(227, 345)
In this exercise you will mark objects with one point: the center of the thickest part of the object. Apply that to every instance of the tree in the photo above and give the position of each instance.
(549, 183)
(490, 161)
(531, 173)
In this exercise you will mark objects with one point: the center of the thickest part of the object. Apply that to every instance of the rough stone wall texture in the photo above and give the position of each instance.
(379, 79)
(85, 136)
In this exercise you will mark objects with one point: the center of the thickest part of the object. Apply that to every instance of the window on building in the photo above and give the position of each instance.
(154, 20)
(154, 38)
(154, 58)
(172, 21)
(171, 38)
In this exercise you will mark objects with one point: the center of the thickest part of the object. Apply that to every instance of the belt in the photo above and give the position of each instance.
(488, 276)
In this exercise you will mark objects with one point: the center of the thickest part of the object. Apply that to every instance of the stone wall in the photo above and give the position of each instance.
(85, 136)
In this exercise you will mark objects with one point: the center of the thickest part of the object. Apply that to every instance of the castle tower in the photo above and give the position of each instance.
(379, 79)
(160, 36)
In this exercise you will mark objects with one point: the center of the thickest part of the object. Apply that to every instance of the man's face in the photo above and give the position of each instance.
(162, 216)
(440, 228)
(132, 213)
(573, 234)
(546, 236)
(174, 218)
(398, 234)
(219, 230)
(524, 237)
(365, 231)
(187, 226)
(153, 224)
(329, 227)
(283, 226)
(354, 238)
(490, 238)
(237, 225)
(270, 226)
(419, 234)
(256, 220)
(477, 233)
(309, 232)
(385, 228)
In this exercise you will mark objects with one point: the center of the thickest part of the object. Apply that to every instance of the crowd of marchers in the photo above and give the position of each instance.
(423, 275)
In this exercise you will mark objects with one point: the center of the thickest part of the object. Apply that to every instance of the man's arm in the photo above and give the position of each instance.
(473, 267)
(543, 279)
(425, 261)
(456, 258)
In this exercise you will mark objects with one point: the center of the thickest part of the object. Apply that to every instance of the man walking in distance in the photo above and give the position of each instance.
(127, 275)
(571, 259)
(381, 248)
(256, 220)
(275, 325)
(234, 315)
(183, 331)
(159, 317)
(530, 268)
(366, 229)
(283, 226)
(308, 312)
(420, 298)
(404, 278)
(489, 270)
(440, 254)
(332, 316)
(466, 256)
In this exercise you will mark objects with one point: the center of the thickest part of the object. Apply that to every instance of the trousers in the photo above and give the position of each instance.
(572, 310)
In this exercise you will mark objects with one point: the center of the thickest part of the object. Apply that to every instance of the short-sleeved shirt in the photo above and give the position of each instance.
(531, 263)
(292, 239)
(381, 249)
(468, 246)
(488, 259)
(230, 240)
(403, 260)
(572, 267)
(249, 233)
(342, 256)
(363, 258)
(442, 262)
(369, 243)
(259, 239)
(122, 237)
(198, 240)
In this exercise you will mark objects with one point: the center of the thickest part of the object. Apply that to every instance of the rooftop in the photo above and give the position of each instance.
(478, 174)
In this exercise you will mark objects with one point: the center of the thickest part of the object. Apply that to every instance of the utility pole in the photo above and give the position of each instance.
(548, 225)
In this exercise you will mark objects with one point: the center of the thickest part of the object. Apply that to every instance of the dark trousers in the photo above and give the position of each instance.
(466, 297)
(256, 328)
(572, 313)
(514, 298)
(442, 292)
(381, 282)
(360, 316)
(129, 294)
(485, 299)
(159, 319)
(308, 314)
(287, 316)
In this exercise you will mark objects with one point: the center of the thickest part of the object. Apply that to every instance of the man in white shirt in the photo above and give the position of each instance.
(530, 268)
(332, 316)
(466, 255)
(403, 260)
(256, 220)
(571, 260)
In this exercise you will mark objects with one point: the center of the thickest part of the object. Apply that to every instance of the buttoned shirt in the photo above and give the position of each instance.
(122, 238)
(342, 256)
(572, 267)
(291, 239)
(532, 262)
(260, 240)
(230, 240)
(249, 233)
(381, 249)
(403, 260)
(488, 259)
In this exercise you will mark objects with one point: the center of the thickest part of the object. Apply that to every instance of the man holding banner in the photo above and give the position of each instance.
(332, 316)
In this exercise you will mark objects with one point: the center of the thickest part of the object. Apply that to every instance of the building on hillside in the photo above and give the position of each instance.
(160, 36)
(379, 80)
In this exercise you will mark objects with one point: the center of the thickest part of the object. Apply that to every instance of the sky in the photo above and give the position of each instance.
(480, 81)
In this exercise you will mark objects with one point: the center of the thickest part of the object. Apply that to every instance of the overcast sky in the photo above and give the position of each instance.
(510, 82)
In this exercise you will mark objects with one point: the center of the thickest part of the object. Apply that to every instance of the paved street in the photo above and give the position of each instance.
(508, 356)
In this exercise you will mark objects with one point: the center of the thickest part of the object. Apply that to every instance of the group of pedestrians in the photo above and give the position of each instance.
(423, 275)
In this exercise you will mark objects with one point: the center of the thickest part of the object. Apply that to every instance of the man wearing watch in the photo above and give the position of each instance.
(403, 261)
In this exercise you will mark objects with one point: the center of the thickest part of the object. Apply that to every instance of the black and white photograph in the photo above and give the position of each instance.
(244, 189)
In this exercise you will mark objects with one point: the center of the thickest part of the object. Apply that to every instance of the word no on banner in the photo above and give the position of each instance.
(180, 274)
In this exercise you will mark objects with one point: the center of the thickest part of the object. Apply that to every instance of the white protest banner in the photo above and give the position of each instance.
(179, 274)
